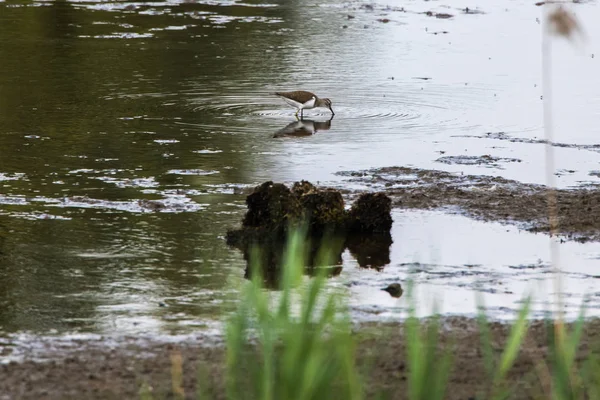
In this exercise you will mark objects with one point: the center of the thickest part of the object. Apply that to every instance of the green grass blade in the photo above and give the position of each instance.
(415, 350)
(442, 376)
(575, 337)
(513, 344)
(485, 338)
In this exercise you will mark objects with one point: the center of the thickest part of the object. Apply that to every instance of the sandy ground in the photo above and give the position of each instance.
(92, 372)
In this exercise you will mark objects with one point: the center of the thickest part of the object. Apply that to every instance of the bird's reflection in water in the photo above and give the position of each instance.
(303, 127)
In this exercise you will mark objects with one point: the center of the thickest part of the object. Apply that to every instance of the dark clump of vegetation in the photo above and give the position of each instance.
(271, 205)
(274, 210)
(371, 213)
(322, 209)
(274, 207)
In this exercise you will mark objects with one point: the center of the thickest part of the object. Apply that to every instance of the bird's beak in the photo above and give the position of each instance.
(331, 109)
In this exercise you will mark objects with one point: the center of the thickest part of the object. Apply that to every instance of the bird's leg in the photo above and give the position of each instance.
(302, 113)
(297, 111)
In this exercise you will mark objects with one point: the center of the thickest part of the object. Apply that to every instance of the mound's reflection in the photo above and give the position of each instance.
(370, 251)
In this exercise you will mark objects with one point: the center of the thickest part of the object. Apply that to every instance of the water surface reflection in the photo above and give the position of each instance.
(131, 131)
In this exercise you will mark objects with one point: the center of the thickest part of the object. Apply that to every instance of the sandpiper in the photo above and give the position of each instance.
(302, 99)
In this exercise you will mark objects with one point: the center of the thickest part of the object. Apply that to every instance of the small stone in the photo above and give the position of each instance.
(394, 289)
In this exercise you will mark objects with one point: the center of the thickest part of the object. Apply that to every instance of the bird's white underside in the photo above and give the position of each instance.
(295, 104)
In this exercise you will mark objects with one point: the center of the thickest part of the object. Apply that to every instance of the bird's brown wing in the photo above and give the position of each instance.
(301, 96)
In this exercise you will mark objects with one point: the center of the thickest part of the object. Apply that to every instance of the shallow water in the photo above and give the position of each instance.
(128, 130)
(452, 259)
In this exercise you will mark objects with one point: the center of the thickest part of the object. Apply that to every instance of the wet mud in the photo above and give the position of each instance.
(487, 160)
(503, 136)
(489, 198)
(127, 369)
(398, 14)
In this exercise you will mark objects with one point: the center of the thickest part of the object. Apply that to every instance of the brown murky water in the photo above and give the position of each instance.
(129, 129)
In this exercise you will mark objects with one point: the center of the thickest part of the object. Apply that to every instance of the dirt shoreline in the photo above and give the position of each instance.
(488, 198)
(89, 371)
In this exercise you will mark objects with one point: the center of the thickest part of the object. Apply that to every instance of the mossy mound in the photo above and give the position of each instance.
(271, 204)
(274, 209)
(302, 188)
(323, 210)
(371, 213)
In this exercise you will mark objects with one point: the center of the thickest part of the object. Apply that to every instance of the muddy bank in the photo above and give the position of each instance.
(488, 198)
(90, 371)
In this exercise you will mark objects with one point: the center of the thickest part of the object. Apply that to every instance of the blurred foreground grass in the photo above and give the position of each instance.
(298, 343)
